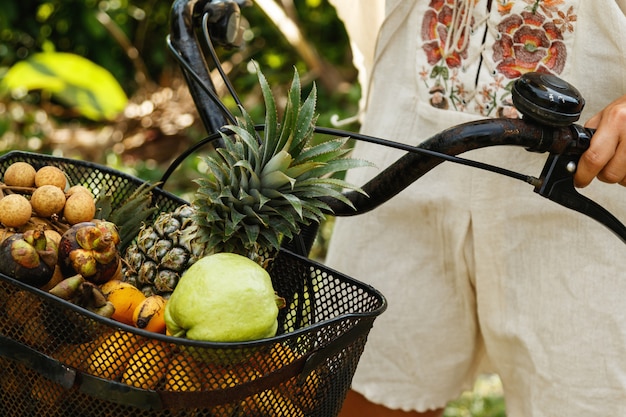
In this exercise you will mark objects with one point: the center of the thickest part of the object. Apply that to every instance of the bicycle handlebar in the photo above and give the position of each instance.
(455, 141)
(559, 137)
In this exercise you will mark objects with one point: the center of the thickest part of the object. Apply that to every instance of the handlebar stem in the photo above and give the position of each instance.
(183, 38)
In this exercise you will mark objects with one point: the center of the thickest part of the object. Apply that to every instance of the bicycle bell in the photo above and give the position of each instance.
(547, 99)
(224, 24)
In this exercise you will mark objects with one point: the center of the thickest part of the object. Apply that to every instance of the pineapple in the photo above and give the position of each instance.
(260, 189)
(163, 251)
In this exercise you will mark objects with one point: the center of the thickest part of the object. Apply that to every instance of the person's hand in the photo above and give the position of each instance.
(606, 156)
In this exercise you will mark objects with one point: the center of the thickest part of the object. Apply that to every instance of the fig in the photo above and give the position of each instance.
(91, 250)
(29, 257)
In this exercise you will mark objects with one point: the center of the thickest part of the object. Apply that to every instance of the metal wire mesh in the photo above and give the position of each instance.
(57, 359)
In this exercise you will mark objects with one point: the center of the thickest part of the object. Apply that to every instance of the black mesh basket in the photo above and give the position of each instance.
(57, 359)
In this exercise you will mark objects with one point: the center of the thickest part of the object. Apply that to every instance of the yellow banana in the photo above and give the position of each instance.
(150, 314)
(182, 374)
(109, 358)
(147, 366)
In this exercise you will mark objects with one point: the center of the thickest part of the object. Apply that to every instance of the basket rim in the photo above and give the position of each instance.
(16, 154)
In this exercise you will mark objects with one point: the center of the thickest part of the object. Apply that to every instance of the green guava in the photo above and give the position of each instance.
(223, 297)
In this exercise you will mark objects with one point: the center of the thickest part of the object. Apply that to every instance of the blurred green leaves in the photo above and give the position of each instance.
(70, 79)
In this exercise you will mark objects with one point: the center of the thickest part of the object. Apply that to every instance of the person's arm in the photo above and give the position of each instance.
(606, 156)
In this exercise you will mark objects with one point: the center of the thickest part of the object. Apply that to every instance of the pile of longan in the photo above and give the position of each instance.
(46, 193)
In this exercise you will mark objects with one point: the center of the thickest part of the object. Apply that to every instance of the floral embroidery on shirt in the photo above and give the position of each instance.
(445, 38)
(530, 37)
(528, 42)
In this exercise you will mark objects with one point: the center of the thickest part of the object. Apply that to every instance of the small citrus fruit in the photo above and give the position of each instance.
(150, 314)
(125, 297)
(15, 210)
(50, 175)
(47, 200)
(20, 174)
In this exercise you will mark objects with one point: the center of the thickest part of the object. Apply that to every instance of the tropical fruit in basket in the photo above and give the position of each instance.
(183, 373)
(220, 378)
(46, 191)
(15, 210)
(80, 206)
(29, 257)
(271, 402)
(150, 314)
(259, 189)
(91, 250)
(26, 319)
(124, 297)
(48, 200)
(112, 353)
(302, 390)
(223, 297)
(77, 290)
(76, 355)
(51, 175)
(20, 174)
(147, 365)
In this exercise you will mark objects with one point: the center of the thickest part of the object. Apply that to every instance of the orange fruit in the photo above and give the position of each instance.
(150, 314)
(125, 298)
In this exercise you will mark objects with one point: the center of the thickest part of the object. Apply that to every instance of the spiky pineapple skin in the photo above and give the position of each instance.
(162, 251)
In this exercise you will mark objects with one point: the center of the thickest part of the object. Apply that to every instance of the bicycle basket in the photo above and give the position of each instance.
(57, 359)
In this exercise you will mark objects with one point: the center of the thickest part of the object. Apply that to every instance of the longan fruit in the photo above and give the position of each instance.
(20, 174)
(78, 189)
(79, 207)
(47, 200)
(50, 175)
(15, 210)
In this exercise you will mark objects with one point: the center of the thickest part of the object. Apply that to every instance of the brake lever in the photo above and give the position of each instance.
(557, 184)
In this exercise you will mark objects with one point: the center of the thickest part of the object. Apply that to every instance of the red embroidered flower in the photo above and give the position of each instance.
(529, 43)
(436, 27)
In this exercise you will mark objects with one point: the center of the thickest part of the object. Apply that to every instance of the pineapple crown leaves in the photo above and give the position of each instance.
(130, 215)
(263, 187)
